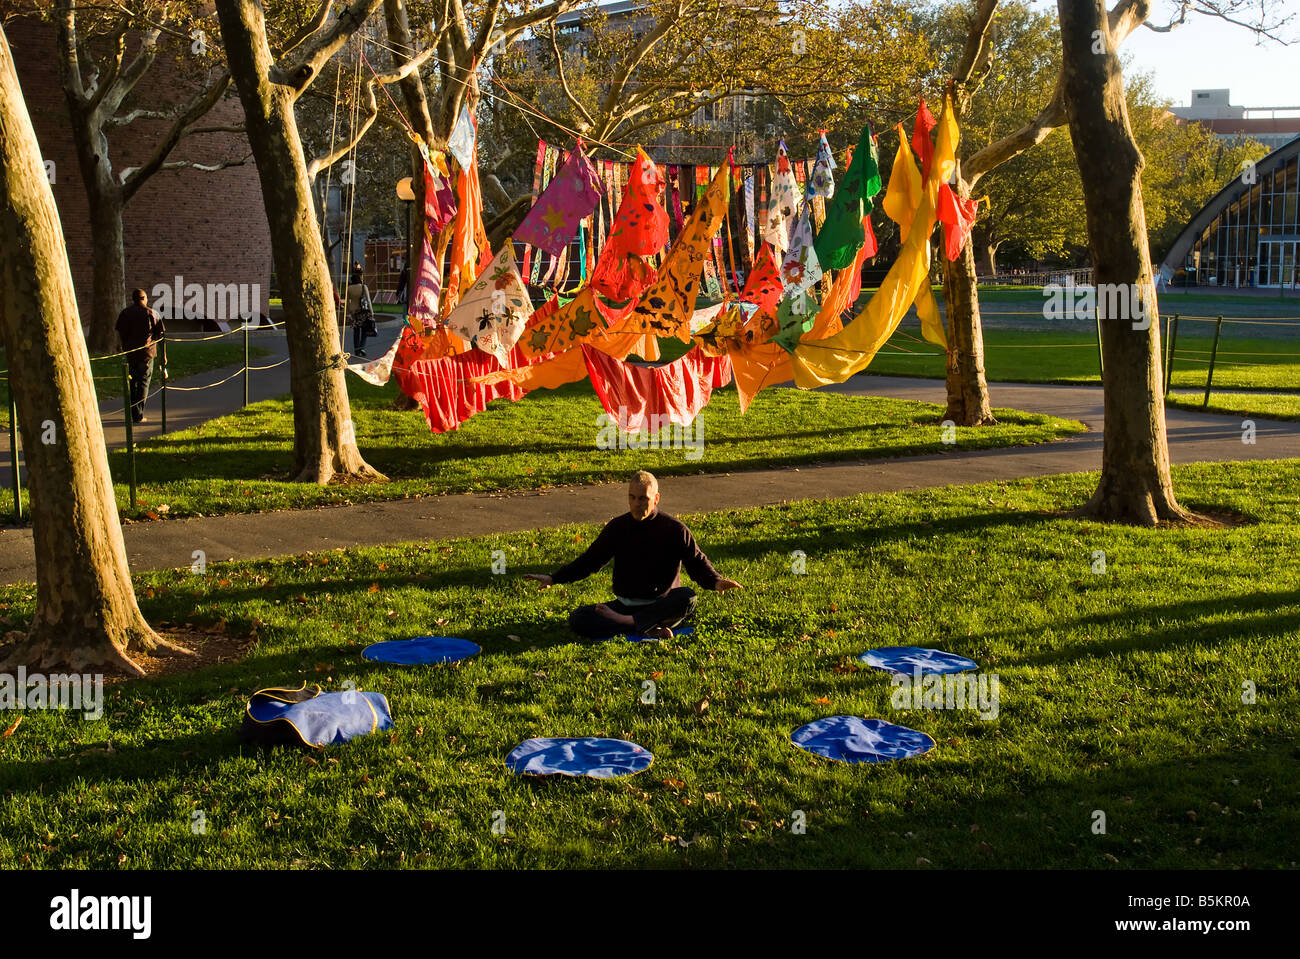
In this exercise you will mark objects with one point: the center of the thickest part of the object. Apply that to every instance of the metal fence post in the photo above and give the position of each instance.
(1171, 349)
(130, 439)
(13, 453)
(245, 362)
(1214, 352)
(162, 346)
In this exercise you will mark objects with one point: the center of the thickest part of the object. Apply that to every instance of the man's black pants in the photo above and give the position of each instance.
(667, 610)
(141, 373)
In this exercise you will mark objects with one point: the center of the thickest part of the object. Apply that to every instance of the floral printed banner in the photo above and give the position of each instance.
(494, 311)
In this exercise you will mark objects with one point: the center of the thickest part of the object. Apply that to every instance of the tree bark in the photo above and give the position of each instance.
(86, 612)
(104, 196)
(108, 245)
(1135, 485)
(324, 440)
(988, 261)
(968, 389)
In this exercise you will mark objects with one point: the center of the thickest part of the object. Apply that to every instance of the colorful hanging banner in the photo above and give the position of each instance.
(553, 220)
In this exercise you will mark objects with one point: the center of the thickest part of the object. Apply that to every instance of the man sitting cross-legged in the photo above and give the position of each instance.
(648, 549)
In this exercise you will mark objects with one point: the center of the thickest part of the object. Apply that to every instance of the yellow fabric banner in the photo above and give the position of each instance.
(836, 358)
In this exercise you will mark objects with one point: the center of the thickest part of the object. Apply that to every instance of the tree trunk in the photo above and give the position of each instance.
(109, 260)
(1135, 485)
(104, 196)
(86, 613)
(324, 441)
(988, 261)
(968, 390)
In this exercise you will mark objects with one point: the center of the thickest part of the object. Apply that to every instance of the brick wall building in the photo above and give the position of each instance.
(207, 227)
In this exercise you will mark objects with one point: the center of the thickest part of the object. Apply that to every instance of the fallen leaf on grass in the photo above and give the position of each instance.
(824, 700)
(374, 587)
(701, 707)
(10, 731)
(674, 784)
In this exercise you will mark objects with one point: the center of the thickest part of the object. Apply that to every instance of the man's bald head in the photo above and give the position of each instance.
(642, 494)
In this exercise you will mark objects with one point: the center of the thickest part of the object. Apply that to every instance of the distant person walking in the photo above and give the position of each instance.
(360, 311)
(140, 329)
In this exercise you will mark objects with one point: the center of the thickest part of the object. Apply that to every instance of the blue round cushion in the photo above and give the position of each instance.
(420, 650)
(907, 659)
(598, 758)
(852, 739)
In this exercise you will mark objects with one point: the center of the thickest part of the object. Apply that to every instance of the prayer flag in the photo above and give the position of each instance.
(921, 144)
(843, 232)
(640, 229)
(494, 311)
(958, 218)
(665, 308)
(834, 359)
(568, 200)
(800, 269)
(461, 141)
(822, 181)
(781, 205)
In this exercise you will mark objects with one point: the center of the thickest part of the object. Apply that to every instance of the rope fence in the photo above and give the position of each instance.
(123, 376)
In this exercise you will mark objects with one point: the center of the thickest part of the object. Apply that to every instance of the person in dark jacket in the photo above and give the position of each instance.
(139, 329)
(648, 548)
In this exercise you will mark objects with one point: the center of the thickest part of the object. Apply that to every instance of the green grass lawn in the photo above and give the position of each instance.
(183, 359)
(1037, 357)
(1119, 691)
(1266, 405)
(240, 463)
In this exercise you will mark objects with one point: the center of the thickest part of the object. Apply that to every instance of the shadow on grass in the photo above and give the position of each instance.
(1027, 825)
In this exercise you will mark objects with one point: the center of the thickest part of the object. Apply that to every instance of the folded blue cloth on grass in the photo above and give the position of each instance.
(906, 659)
(420, 650)
(308, 717)
(856, 740)
(597, 758)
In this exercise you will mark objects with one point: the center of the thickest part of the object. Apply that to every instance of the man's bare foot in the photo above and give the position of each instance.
(621, 618)
(658, 632)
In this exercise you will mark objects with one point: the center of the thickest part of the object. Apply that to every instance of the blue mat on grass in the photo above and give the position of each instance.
(906, 659)
(309, 717)
(852, 739)
(420, 650)
(597, 758)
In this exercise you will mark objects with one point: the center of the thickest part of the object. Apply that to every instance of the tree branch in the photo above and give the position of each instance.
(301, 68)
(564, 80)
(1123, 19)
(198, 107)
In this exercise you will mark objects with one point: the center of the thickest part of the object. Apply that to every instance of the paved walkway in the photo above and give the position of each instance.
(1193, 437)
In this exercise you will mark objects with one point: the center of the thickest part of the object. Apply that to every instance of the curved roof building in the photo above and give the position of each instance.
(1249, 234)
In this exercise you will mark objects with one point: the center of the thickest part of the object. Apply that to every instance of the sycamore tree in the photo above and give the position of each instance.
(86, 612)
(1135, 484)
(270, 84)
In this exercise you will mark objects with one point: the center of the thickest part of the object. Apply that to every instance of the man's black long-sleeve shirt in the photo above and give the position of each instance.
(648, 555)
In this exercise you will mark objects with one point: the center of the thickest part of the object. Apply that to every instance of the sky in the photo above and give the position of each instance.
(1208, 54)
